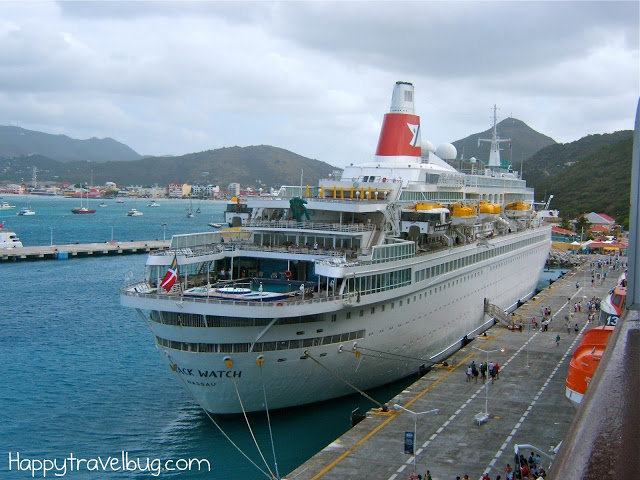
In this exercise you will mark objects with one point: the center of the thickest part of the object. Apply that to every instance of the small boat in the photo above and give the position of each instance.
(134, 213)
(488, 212)
(8, 239)
(6, 206)
(517, 209)
(585, 361)
(119, 201)
(83, 209)
(153, 203)
(189, 215)
(26, 211)
(215, 225)
(103, 205)
(463, 214)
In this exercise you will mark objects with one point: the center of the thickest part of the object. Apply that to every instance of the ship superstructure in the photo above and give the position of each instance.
(360, 280)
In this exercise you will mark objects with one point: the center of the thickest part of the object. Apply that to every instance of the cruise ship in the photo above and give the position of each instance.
(369, 277)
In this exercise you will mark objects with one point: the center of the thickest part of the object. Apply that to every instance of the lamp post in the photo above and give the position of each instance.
(111, 233)
(51, 235)
(484, 416)
(164, 231)
(415, 426)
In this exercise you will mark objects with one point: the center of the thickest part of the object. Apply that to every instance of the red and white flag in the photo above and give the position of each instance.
(171, 276)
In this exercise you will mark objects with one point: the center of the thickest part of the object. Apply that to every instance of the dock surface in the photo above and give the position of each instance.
(56, 252)
(525, 406)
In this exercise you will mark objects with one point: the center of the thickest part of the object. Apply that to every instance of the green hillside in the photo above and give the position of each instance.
(271, 166)
(16, 142)
(525, 142)
(591, 174)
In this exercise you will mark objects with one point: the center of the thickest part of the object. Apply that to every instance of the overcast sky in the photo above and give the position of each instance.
(313, 77)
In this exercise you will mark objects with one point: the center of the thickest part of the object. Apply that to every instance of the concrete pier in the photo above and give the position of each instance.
(63, 252)
(475, 430)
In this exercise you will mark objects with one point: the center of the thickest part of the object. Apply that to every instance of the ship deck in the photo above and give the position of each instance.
(526, 405)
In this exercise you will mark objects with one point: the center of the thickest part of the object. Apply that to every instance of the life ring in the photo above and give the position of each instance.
(287, 274)
(279, 304)
(384, 179)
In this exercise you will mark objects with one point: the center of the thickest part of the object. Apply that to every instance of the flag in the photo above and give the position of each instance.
(171, 275)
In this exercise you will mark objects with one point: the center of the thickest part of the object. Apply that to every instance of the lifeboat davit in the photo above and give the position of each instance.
(463, 214)
(517, 209)
(488, 212)
(584, 362)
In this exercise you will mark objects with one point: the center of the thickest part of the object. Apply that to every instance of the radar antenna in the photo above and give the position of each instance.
(494, 154)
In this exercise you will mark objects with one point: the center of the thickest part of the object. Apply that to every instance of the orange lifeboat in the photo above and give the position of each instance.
(488, 212)
(463, 214)
(517, 209)
(584, 362)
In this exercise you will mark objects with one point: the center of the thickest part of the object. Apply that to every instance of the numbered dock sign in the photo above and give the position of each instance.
(408, 443)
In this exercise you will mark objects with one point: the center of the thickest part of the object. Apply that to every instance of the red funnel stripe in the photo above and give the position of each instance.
(396, 136)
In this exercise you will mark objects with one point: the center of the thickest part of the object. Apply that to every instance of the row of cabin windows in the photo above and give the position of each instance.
(441, 269)
(197, 320)
(260, 346)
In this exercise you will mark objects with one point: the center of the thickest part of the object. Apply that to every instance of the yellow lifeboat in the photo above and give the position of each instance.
(517, 209)
(462, 214)
(488, 212)
(423, 207)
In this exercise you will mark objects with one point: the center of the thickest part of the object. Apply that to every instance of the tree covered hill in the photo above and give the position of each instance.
(255, 165)
(16, 142)
(590, 174)
(525, 141)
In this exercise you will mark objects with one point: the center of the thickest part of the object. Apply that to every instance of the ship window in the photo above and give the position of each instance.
(392, 305)
(361, 313)
(373, 310)
(333, 317)
(348, 315)
(400, 303)
(382, 308)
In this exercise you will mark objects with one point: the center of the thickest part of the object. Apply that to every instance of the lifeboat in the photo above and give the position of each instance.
(517, 209)
(584, 362)
(488, 212)
(422, 207)
(463, 215)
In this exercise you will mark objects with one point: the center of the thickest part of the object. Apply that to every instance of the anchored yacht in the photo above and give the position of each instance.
(353, 283)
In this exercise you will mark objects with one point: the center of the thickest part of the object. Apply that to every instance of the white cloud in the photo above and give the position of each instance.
(313, 77)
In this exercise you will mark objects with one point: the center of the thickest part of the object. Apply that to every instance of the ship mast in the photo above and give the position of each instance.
(494, 154)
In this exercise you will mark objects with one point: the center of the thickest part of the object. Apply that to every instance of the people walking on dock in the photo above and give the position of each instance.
(557, 340)
(469, 373)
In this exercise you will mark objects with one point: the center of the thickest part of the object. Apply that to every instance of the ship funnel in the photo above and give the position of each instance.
(400, 134)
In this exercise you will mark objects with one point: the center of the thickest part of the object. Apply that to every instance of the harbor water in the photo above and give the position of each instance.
(82, 376)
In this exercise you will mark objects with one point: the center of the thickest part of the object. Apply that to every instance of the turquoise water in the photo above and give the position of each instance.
(81, 373)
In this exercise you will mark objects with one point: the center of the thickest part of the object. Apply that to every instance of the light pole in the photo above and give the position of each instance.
(415, 426)
(51, 235)
(111, 233)
(164, 231)
(484, 416)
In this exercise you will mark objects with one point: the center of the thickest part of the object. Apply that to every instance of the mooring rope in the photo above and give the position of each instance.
(173, 364)
(345, 381)
(266, 407)
(255, 441)
(398, 355)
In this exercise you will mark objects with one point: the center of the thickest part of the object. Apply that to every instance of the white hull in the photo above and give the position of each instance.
(381, 286)
(430, 328)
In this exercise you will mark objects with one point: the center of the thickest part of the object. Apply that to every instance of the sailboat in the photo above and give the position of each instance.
(190, 212)
(82, 208)
(26, 210)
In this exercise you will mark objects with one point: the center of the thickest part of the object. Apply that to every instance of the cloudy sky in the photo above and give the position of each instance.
(313, 77)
